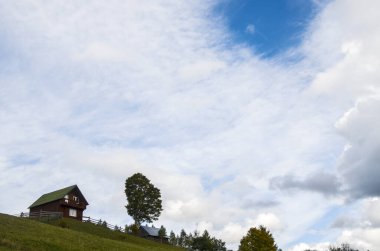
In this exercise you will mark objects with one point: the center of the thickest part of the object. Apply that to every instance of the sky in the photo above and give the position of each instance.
(241, 112)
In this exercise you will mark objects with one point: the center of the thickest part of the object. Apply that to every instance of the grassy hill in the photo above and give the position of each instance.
(24, 234)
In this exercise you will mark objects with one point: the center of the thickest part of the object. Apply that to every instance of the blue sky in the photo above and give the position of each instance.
(206, 104)
(270, 27)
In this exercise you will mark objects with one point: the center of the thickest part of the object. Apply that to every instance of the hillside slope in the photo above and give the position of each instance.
(24, 234)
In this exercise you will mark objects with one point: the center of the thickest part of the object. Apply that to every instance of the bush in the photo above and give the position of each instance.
(63, 224)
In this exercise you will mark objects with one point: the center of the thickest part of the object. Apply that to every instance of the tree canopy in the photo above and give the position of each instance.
(198, 242)
(144, 199)
(258, 239)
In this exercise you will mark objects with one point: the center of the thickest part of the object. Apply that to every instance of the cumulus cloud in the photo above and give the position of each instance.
(359, 164)
(269, 220)
(360, 227)
(362, 239)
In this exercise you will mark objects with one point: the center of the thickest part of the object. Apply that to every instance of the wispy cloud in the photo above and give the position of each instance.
(91, 93)
(251, 29)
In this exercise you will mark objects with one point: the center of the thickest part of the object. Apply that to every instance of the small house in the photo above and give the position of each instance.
(69, 201)
(152, 233)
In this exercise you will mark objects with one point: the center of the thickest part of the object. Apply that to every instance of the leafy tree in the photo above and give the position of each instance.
(258, 239)
(205, 243)
(202, 243)
(195, 241)
(172, 238)
(131, 229)
(162, 232)
(104, 224)
(144, 199)
(218, 245)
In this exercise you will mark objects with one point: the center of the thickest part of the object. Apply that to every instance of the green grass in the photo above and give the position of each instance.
(24, 234)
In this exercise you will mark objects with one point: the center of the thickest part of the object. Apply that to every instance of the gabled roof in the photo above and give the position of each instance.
(56, 195)
(152, 231)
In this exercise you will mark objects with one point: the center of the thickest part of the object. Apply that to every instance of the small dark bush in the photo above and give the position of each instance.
(63, 224)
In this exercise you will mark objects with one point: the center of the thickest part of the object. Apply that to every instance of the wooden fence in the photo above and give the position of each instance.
(42, 215)
(99, 222)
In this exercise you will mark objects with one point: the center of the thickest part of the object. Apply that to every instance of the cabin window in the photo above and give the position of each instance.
(76, 199)
(66, 199)
(72, 212)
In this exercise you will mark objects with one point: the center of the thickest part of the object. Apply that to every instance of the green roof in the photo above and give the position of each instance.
(53, 196)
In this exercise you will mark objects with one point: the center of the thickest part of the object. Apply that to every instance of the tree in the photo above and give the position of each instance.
(218, 244)
(172, 238)
(162, 232)
(182, 238)
(144, 199)
(195, 241)
(258, 239)
(205, 242)
(131, 229)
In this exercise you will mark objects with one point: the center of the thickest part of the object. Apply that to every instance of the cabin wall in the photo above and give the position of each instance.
(66, 213)
(58, 206)
(49, 207)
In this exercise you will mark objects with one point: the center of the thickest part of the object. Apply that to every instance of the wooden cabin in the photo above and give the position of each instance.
(69, 201)
(152, 233)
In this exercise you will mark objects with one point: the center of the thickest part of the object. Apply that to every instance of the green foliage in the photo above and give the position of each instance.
(197, 242)
(162, 232)
(144, 199)
(206, 243)
(62, 224)
(172, 238)
(25, 234)
(182, 239)
(132, 229)
(258, 239)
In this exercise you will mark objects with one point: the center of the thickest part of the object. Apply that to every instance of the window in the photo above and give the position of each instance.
(72, 212)
(76, 199)
(66, 199)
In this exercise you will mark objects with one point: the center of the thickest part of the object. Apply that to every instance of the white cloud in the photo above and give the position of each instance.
(200, 70)
(100, 51)
(359, 162)
(363, 239)
(271, 221)
(91, 93)
(305, 246)
(251, 29)
(372, 212)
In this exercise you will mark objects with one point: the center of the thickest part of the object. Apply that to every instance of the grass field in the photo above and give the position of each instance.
(24, 234)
